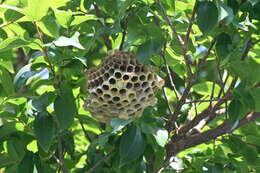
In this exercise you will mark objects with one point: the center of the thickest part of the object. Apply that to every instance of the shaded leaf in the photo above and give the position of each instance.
(118, 124)
(16, 149)
(207, 16)
(26, 165)
(223, 45)
(132, 145)
(44, 130)
(234, 111)
(65, 107)
(6, 80)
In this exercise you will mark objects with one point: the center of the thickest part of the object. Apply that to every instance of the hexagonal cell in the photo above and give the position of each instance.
(145, 84)
(130, 68)
(107, 96)
(147, 90)
(143, 99)
(105, 87)
(150, 76)
(116, 66)
(106, 67)
(123, 68)
(137, 85)
(116, 99)
(114, 90)
(94, 94)
(122, 91)
(118, 75)
(112, 81)
(134, 78)
(99, 91)
(111, 71)
(126, 77)
(142, 77)
(129, 85)
(131, 95)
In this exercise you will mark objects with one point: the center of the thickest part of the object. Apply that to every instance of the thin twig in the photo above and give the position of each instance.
(85, 132)
(212, 93)
(169, 22)
(45, 51)
(100, 161)
(60, 152)
(202, 101)
(169, 73)
(187, 36)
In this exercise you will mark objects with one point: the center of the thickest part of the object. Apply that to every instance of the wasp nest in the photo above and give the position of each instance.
(120, 87)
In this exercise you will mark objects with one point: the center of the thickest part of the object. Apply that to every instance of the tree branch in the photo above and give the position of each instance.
(200, 138)
(186, 127)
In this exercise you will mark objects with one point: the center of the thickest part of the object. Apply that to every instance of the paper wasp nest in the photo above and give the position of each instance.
(120, 87)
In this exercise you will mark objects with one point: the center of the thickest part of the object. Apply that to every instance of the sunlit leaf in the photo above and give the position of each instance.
(73, 41)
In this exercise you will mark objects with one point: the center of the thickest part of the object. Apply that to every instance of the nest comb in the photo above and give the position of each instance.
(120, 87)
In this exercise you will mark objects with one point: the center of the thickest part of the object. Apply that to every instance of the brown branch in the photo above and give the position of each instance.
(186, 127)
(203, 60)
(200, 138)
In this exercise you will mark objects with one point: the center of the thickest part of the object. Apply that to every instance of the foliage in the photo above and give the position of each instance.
(207, 52)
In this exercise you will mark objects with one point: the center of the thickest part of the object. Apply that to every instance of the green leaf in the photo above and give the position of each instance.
(37, 9)
(23, 75)
(65, 107)
(223, 45)
(147, 49)
(40, 103)
(205, 88)
(11, 15)
(207, 16)
(12, 42)
(80, 19)
(161, 137)
(49, 26)
(132, 145)
(6, 80)
(16, 149)
(7, 129)
(255, 93)
(6, 60)
(64, 18)
(234, 111)
(73, 41)
(44, 130)
(26, 164)
(118, 124)
(5, 161)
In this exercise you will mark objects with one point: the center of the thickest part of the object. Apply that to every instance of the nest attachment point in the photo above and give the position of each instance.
(120, 87)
